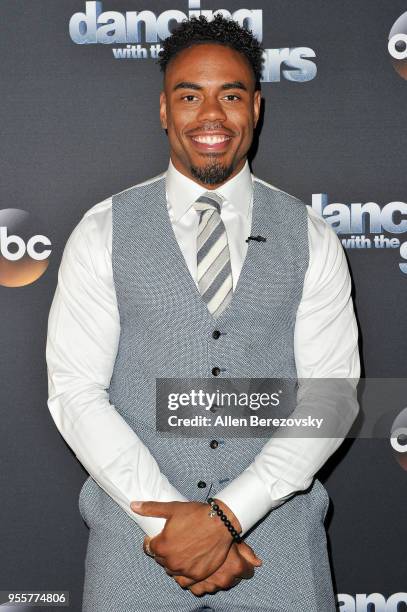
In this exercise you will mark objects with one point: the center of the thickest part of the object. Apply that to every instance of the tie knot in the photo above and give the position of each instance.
(208, 201)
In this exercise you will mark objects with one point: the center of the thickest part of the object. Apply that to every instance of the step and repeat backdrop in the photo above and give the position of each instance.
(79, 96)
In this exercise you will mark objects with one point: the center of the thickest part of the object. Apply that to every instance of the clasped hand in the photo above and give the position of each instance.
(197, 550)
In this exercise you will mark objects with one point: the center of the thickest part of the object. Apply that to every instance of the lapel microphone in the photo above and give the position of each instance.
(258, 238)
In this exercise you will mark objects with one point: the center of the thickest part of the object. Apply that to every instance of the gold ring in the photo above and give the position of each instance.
(149, 551)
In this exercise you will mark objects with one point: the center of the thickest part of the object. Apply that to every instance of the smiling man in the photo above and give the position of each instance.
(161, 280)
(209, 119)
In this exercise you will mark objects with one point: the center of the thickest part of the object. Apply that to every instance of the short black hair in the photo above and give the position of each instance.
(220, 30)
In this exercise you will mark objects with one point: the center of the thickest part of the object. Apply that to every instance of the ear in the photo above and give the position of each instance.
(256, 106)
(163, 110)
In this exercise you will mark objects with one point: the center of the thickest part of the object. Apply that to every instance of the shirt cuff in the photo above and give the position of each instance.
(247, 497)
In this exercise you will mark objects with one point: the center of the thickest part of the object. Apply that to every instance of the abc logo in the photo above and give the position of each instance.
(398, 438)
(23, 250)
(398, 45)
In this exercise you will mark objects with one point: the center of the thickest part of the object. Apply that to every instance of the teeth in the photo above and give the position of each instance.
(211, 139)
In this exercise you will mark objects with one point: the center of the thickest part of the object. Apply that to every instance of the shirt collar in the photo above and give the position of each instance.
(182, 191)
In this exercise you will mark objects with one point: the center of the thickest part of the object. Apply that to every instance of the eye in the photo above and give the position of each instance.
(232, 97)
(189, 98)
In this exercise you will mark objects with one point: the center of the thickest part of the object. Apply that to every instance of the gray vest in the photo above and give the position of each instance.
(166, 331)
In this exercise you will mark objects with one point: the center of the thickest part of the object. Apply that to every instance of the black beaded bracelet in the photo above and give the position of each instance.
(216, 510)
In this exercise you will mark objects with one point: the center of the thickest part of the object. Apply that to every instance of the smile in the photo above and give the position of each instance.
(211, 140)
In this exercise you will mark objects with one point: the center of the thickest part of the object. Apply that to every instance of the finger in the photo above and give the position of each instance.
(152, 508)
(183, 581)
(146, 547)
(156, 548)
(225, 583)
(213, 586)
(149, 551)
(248, 572)
(246, 569)
(173, 573)
(249, 554)
(186, 580)
(193, 578)
(161, 561)
(200, 588)
(243, 570)
(149, 545)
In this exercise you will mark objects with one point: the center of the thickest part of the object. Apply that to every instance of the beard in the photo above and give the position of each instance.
(212, 173)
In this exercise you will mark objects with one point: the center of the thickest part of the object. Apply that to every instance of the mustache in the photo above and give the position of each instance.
(210, 127)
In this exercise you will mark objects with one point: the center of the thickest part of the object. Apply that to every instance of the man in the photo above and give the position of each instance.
(160, 281)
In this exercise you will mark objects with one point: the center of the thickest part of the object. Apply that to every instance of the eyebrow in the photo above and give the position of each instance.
(190, 85)
(234, 85)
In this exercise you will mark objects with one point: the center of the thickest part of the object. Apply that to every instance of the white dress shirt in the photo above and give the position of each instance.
(83, 337)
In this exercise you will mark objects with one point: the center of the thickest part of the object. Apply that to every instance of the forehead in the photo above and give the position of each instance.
(209, 62)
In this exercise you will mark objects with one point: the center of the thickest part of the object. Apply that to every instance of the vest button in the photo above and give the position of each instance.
(201, 484)
(213, 407)
(216, 334)
(216, 371)
(214, 444)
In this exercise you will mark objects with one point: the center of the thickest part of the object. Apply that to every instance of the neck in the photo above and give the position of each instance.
(186, 172)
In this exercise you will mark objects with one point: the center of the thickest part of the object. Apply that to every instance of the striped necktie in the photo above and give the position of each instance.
(215, 282)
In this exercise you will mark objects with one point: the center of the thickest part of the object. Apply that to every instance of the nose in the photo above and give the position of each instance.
(211, 110)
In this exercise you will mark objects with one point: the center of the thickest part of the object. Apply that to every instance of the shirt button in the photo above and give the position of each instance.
(214, 444)
(201, 484)
(216, 334)
(216, 371)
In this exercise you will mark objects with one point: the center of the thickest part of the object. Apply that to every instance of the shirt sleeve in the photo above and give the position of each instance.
(326, 347)
(82, 341)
